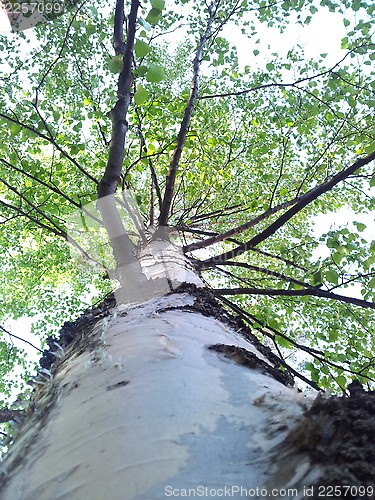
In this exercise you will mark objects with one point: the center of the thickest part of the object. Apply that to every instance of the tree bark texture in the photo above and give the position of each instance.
(168, 395)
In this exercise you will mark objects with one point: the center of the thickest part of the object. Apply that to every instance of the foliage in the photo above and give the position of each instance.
(262, 136)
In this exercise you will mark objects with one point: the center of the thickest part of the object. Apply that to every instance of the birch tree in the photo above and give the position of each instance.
(144, 165)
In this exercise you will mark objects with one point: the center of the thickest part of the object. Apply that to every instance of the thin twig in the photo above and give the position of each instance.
(19, 338)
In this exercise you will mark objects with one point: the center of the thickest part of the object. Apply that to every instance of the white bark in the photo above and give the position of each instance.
(142, 409)
(146, 406)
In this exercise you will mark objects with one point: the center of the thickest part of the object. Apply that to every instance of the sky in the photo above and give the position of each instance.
(322, 35)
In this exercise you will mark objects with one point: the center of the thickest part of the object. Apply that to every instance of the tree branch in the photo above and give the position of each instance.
(21, 212)
(122, 246)
(304, 200)
(257, 250)
(118, 37)
(62, 234)
(50, 67)
(267, 272)
(278, 257)
(171, 178)
(317, 292)
(33, 207)
(241, 228)
(112, 175)
(154, 179)
(248, 318)
(319, 355)
(41, 182)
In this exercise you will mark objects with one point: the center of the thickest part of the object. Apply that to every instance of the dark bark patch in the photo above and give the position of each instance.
(123, 383)
(338, 434)
(7, 415)
(206, 304)
(248, 359)
(74, 330)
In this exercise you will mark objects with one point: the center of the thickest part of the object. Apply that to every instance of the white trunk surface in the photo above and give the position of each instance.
(147, 411)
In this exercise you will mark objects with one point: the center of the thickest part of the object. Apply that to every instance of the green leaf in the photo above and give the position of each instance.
(140, 71)
(154, 16)
(90, 29)
(141, 48)
(309, 366)
(324, 369)
(15, 129)
(342, 249)
(158, 4)
(315, 375)
(115, 64)
(337, 257)
(332, 243)
(155, 73)
(332, 276)
(273, 323)
(317, 278)
(333, 335)
(344, 42)
(283, 342)
(360, 226)
(270, 66)
(369, 262)
(356, 5)
(141, 95)
(341, 381)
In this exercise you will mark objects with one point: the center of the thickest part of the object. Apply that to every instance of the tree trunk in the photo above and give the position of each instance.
(162, 397)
